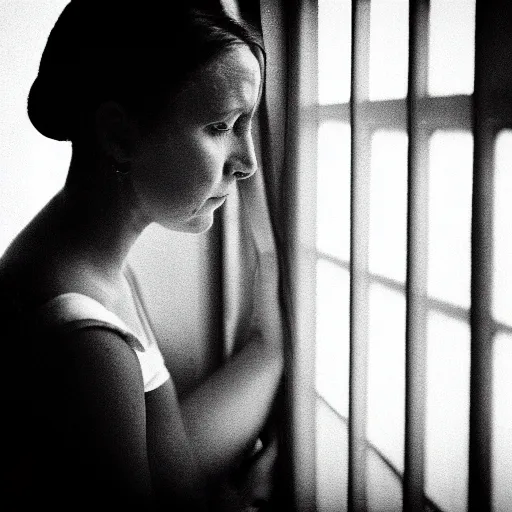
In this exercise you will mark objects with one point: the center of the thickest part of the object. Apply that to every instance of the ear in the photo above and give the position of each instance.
(116, 131)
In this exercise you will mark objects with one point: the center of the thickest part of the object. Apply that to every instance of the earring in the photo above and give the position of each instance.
(120, 169)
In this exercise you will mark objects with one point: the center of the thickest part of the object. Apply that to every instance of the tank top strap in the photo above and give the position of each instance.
(73, 311)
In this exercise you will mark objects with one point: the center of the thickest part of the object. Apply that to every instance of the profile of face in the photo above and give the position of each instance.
(190, 163)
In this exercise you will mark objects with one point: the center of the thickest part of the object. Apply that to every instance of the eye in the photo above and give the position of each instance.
(220, 128)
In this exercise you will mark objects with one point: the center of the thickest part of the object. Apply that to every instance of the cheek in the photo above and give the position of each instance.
(181, 171)
(201, 162)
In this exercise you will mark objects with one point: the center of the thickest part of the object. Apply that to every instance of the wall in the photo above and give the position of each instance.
(32, 168)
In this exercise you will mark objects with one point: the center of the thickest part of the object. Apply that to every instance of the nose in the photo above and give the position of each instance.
(243, 163)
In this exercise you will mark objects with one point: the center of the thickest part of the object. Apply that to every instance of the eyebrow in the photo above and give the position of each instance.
(225, 112)
(239, 108)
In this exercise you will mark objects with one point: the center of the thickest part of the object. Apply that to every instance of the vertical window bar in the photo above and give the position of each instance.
(359, 231)
(417, 265)
(479, 496)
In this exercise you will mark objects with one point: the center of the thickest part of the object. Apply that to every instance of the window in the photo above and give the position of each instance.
(366, 138)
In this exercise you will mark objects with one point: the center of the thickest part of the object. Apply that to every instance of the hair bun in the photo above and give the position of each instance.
(50, 101)
(47, 110)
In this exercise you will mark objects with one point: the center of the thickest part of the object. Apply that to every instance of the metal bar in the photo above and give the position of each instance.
(445, 112)
(417, 262)
(480, 417)
(433, 113)
(360, 184)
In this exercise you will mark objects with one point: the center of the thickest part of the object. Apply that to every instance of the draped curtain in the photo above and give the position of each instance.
(275, 212)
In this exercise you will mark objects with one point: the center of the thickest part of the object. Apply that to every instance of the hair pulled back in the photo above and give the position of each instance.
(138, 53)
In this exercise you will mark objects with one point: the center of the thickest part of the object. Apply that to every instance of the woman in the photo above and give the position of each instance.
(157, 103)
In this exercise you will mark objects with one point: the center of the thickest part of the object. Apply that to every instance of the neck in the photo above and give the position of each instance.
(100, 222)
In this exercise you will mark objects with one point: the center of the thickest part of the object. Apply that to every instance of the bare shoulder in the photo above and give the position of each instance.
(99, 408)
(101, 380)
(79, 418)
(147, 428)
(100, 355)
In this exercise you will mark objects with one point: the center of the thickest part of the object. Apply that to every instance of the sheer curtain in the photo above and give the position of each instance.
(275, 212)
(290, 112)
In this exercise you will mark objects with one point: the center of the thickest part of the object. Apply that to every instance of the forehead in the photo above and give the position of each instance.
(231, 81)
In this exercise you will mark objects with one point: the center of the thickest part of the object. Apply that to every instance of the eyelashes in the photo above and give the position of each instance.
(239, 125)
(220, 128)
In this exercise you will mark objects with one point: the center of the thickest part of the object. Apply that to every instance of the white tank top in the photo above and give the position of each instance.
(71, 311)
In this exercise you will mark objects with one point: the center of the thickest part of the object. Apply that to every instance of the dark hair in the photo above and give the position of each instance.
(139, 53)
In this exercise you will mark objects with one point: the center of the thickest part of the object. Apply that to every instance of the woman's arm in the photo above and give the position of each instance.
(224, 415)
(145, 448)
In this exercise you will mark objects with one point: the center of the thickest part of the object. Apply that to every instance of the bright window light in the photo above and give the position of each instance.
(502, 423)
(333, 199)
(32, 167)
(450, 191)
(331, 460)
(334, 51)
(451, 47)
(502, 299)
(447, 420)
(384, 488)
(388, 205)
(389, 45)
(332, 335)
(386, 373)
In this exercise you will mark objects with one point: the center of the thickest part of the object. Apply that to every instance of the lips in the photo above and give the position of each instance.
(217, 201)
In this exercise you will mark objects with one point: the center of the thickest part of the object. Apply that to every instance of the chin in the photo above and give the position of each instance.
(195, 225)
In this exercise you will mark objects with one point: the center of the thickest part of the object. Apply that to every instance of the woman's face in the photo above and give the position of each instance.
(187, 167)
